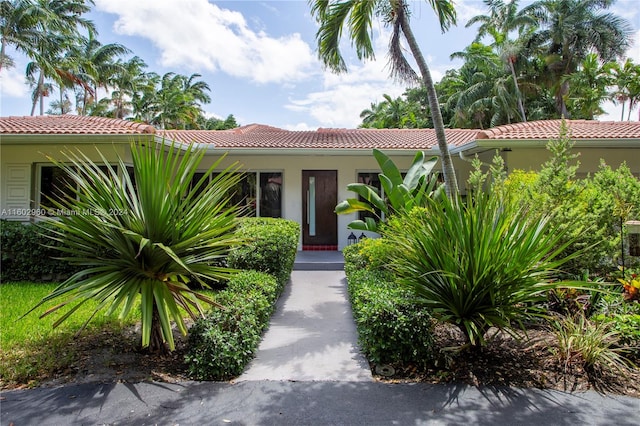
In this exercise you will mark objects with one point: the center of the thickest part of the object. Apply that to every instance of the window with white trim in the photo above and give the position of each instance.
(54, 183)
(258, 193)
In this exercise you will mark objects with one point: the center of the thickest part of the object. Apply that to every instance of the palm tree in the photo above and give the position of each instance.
(390, 114)
(127, 81)
(19, 26)
(571, 29)
(357, 17)
(627, 81)
(484, 95)
(58, 26)
(588, 88)
(97, 63)
(371, 116)
(176, 103)
(502, 20)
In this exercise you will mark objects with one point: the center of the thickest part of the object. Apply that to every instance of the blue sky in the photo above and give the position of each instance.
(260, 59)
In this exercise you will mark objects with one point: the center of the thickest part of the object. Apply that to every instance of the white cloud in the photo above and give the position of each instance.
(467, 9)
(301, 127)
(344, 96)
(12, 83)
(200, 35)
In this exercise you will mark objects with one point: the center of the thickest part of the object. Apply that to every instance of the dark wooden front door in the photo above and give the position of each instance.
(319, 199)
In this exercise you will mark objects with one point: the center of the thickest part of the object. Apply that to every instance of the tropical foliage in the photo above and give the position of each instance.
(485, 263)
(550, 59)
(589, 211)
(144, 237)
(399, 194)
(66, 57)
(357, 18)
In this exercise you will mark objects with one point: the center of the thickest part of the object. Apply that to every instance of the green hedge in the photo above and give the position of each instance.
(27, 253)
(272, 248)
(223, 343)
(392, 327)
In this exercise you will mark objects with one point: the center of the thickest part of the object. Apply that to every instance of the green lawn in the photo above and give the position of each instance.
(29, 346)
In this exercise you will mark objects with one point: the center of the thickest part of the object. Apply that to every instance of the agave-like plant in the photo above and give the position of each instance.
(144, 238)
(485, 263)
(401, 194)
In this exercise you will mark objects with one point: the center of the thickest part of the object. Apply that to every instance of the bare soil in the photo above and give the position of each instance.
(527, 362)
(505, 361)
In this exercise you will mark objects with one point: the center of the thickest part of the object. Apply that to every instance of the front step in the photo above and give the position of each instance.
(319, 261)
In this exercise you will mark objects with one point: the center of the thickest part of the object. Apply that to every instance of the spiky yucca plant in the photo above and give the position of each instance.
(145, 237)
(481, 264)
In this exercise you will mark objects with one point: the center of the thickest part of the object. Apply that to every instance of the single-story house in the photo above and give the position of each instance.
(298, 175)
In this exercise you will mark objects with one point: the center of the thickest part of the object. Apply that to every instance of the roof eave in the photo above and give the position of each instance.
(483, 144)
(38, 139)
(319, 151)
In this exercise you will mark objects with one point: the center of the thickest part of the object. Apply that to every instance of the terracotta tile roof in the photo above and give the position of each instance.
(579, 129)
(259, 136)
(71, 125)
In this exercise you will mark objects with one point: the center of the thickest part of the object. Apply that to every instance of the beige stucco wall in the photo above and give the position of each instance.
(18, 171)
(291, 166)
(18, 165)
(589, 158)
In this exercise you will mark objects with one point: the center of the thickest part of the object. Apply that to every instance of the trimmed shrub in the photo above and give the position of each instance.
(271, 248)
(29, 255)
(588, 211)
(371, 254)
(224, 342)
(392, 327)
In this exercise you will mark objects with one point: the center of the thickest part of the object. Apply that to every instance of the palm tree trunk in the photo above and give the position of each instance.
(38, 93)
(41, 102)
(83, 111)
(450, 182)
(61, 100)
(3, 45)
(560, 103)
(518, 94)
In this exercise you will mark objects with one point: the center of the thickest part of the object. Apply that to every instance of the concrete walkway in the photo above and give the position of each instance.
(312, 335)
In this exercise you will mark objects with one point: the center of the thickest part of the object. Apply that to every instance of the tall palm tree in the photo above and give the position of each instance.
(97, 63)
(389, 114)
(58, 29)
(19, 26)
(627, 81)
(177, 101)
(571, 29)
(127, 80)
(356, 16)
(588, 88)
(503, 19)
(484, 96)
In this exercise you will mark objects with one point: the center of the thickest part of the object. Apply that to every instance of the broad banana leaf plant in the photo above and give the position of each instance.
(145, 238)
(400, 194)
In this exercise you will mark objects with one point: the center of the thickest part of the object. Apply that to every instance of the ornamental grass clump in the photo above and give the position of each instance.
(144, 237)
(485, 263)
(592, 346)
